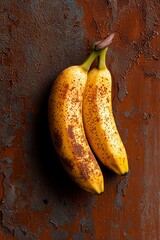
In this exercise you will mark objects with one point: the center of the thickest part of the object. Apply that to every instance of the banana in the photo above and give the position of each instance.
(99, 123)
(67, 129)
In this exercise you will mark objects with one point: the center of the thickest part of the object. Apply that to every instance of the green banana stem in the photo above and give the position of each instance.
(102, 58)
(86, 65)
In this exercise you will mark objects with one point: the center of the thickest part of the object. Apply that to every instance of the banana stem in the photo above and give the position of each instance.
(100, 49)
(102, 58)
(86, 65)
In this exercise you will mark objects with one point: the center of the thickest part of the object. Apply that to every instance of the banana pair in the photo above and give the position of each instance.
(81, 118)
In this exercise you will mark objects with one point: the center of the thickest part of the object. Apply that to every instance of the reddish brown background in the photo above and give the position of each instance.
(38, 39)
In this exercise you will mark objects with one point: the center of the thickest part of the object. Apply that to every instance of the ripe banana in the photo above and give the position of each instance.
(67, 129)
(99, 122)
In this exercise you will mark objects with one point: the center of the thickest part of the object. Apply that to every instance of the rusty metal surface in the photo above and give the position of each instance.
(37, 40)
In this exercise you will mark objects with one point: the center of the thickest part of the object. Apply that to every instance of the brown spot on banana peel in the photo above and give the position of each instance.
(70, 131)
(84, 170)
(65, 89)
(78, 149)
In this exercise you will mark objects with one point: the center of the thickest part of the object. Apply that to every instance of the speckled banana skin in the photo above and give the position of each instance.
(99, 122)
(67, 130)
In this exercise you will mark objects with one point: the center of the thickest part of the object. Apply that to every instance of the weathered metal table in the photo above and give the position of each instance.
(38, 40)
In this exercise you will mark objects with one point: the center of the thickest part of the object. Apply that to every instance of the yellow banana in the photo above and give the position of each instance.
(99, 122)
(67, 129)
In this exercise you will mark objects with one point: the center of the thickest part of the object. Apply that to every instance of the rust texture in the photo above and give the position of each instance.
(38, 39)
